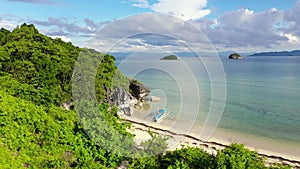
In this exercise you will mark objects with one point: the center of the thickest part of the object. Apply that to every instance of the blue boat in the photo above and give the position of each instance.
(160, 114)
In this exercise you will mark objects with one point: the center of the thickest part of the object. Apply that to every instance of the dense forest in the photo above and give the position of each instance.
(35, 132)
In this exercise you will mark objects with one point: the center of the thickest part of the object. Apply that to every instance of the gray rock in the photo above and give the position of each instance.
(124, 101)
(155, 99)
(66, 106)
(123, 165)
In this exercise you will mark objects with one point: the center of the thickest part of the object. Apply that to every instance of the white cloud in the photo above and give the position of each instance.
(150, 31)
(186, 10)
(249, 12)
(246, 28)
(293, 18)
(274, 9)
(291, 38)
(63, 38)
(7, 24)
(141, 4)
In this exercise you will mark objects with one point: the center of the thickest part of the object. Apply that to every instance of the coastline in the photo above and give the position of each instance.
(217, 142)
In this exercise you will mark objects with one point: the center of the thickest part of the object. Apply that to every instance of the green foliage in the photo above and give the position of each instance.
(47, 64)
(105, 129)
(191, 157)
(3, 35)
(104, 77)
(35, 77)
(49, 137)
(237, 156)
(183, 158)
(119, 80)
(156, 145)
(40, 61)
(233, 157)
(146, 162)
(9, 159)
(279, 166)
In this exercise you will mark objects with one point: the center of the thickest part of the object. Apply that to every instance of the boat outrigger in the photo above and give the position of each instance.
(160, 114)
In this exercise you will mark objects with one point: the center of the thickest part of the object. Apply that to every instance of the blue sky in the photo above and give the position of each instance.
(245, 25)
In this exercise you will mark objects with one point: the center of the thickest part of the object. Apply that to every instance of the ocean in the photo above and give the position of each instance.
(262, 93)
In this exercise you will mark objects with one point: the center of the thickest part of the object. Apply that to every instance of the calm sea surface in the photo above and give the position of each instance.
(263, 93)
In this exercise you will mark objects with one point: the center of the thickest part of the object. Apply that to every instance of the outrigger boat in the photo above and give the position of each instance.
(160, 114)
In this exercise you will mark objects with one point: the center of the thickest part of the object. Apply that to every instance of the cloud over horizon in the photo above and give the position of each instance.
(246, 28)
(241, 29)
(68, 26)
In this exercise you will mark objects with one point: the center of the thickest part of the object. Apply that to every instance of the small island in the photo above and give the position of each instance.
(169, 57)
(235, 56)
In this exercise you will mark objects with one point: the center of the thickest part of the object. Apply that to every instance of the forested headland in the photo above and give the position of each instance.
(36, 132)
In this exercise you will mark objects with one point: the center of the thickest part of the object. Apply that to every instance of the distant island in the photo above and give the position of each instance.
(282, 53)
(235, 56)
(169, 57)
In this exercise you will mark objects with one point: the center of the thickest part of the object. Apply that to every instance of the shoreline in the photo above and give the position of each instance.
(140, 129)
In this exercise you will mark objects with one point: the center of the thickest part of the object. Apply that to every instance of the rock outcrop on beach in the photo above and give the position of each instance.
(138, 90)
(124, 101)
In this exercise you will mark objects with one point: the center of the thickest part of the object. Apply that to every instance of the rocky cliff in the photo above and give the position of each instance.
(138, 90)
(124, 101)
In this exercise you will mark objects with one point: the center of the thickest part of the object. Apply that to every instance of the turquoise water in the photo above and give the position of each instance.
(264, 97)
(263, 93)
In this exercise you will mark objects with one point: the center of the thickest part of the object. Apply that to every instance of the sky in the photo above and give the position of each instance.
(224, 25)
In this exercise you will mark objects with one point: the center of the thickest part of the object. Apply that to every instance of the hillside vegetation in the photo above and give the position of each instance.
(35, 132)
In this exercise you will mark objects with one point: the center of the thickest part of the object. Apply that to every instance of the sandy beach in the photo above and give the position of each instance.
(272, 151)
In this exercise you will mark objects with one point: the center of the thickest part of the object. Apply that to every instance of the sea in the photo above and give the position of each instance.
(258, 95)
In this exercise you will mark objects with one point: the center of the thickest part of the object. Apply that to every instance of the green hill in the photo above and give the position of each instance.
(35, 78)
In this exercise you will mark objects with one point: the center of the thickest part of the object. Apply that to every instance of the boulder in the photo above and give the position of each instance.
(67, 106)
(155, 99)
